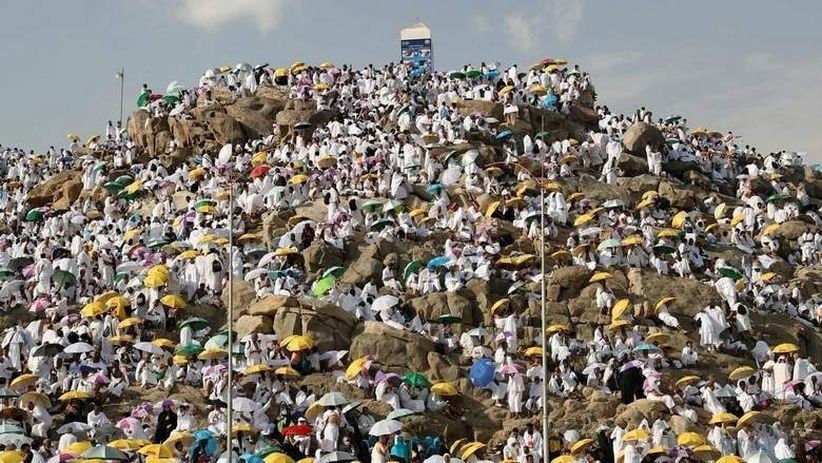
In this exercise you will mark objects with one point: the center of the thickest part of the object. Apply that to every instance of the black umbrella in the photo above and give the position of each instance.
(19, 263)
(60, 253)
(47, 350)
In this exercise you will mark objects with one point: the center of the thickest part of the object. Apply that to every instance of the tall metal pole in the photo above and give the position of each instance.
(230, 395)
(122, 84)
(543, 311)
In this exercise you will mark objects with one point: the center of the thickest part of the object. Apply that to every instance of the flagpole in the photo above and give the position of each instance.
(545, 446)
(122, 84)
(230, 395)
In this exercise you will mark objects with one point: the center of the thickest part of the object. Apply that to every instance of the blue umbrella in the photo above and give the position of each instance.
(434, 188)
(504, 134)
(251, 458)
(491, 73)
(439, 261)
(549, 101)
(482, 372)
(204, 435)
(644, 346)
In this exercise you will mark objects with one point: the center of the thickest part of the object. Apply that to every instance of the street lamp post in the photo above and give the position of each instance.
(122, 76)
(543, 314)
(230, 394)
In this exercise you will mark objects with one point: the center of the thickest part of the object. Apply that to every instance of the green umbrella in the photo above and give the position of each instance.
(473, 74)
(121, 276)
(157, 243)
(372, 206)
(412, 267)
(449, 319)
(11, 429)
(124, 180)
(664, 249)
(416, 379)
(34, 215)
(774, 198)
(218, 341)
(256, 252)
(204, 202)
(670, 119)
(63, 278)
(100, 166)
(543, 135)
(380, 224)
(412, 166)
(196, 323)
(672, 141)
(189, 350)
(124, 194)
(142, 100)
(730, 272)
(171, 99)
(112, 186)
(448, 156)
(457, 75)
(6, 272)
(336, 272)
(323, 285)
(269, 450)
(104, 452)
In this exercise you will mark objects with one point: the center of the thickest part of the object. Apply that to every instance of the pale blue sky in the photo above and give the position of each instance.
(752, 66)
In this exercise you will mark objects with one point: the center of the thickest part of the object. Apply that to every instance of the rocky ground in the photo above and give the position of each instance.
(570, 297)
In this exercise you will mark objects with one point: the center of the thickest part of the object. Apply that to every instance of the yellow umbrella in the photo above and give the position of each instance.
(11, 456)
(118, 302)
(133, 233)
(129, 444)
(285, 251)
(185, 437)
(645, 203)
(131, 321)
(741, 372)
(306, 460)
(444, 389)
(556, 328)
(164, 342)
(634, 240)
(685, 380)
(134, 187)
(471, 449)
(73, 137)
(658, 450)
(737, 218)
(356, 366)
(197, 173)
(37, 398)
(212, 354)
(92, 139)
(723, 418)
(750, 417)
(174, 301)
(679, 219)
(772, 228)
(569, 159)
(706, 450)
(533, 352)
(636, 435)
(155, 280)
(256, 369)
(320, 86)
(456, 446)
(786, 348)
(499, 304)
(564, 459)
(298, 179)
(259, 158)
(690, 439)
(288, 372)
(506, 90)
(417, 212)
(278, 458)
(719, 212)
(600, 276)
(326, 161)
(664, 301)
(23, 381)
(297, 64)
(180, 360)
(74, 395)
(538, 90)
(575, 196)
(581, 445)
(281, 72)
(103, 298)
(730, 459)
(206, 209)
(668, 233)
(191, 254)
(326, 65)
(583, 219)
(156, 450)
(93, 309)
(561, 255)
(620, 308)
(296, 343)
(618, 324)
(248, 238)
(121, 339)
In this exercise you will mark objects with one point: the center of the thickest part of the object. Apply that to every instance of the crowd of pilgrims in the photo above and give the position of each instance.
(102, 284)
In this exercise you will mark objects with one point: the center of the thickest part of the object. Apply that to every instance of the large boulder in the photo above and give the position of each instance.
(256, 114)
(600, 191)
(269, 304)
(631, 165)
(574, 277)
(243, 294)
(444, 303)
(222, 126)
(58, 191)
(328, 325)
(680, 198)
(392, 348)
(248, 324)
(486, 108)
(639, 184)
(321, 255)
(691, 294)
(362, 270)
(640, 135)
(793, 229)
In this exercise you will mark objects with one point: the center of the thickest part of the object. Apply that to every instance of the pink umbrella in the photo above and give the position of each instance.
(509, 369)
(128, 422)
(28, 271)
(39, 304)
(100, 378)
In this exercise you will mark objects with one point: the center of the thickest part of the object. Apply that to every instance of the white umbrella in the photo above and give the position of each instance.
(254, 274)
(333, 399)
(130, 267)
(79, 348)
(760, 457)
(14, 439)
(224, 155)
(385, 428)
(149, 347)
(241, 404)
(10, 287)
(267, 259)
(384, 302)
(73, 428)
(335, 457)
(174, 87)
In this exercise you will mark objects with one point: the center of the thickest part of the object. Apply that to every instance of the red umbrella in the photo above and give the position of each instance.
(259, 171)
(297, 430)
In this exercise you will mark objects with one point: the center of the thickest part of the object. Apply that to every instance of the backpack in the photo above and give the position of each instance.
(216, 266)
